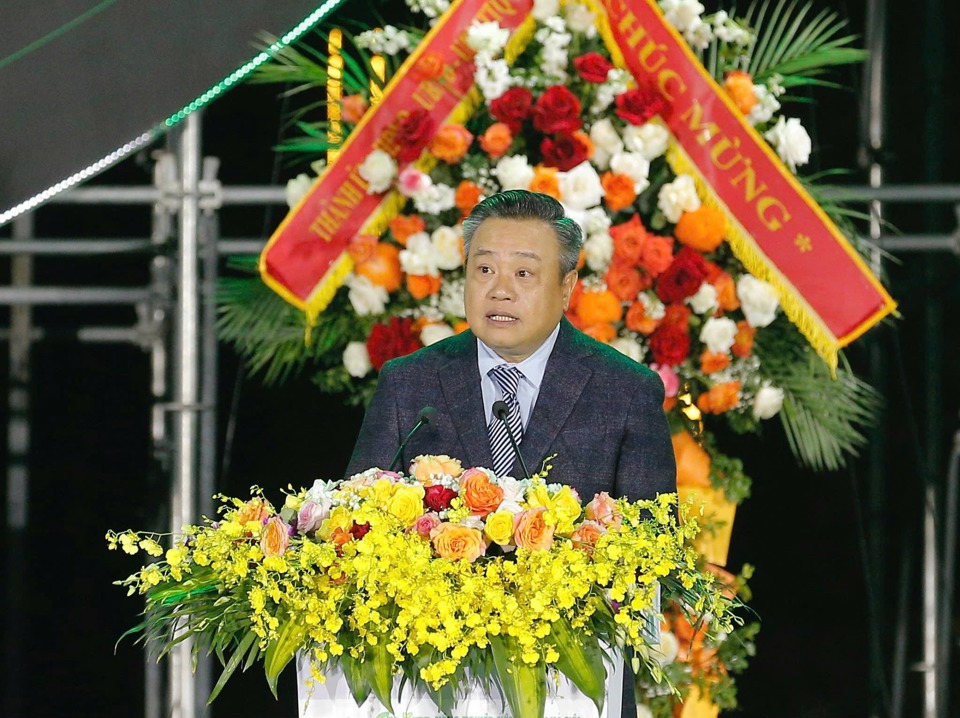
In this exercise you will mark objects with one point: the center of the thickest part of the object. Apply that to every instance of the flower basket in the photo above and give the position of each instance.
(713, 542)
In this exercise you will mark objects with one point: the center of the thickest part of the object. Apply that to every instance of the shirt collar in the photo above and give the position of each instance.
(533, 367)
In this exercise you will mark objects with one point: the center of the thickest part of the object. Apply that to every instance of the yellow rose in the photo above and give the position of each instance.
(499, 528)
(566, 509)
(406, 503)
(538, 495)
(427, 468)
(382, 492)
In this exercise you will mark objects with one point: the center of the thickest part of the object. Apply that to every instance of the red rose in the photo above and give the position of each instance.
(563, 151)
(388, 341)
(557, 110)
(670, 345)
(592, 67)
(437, 497)
(413, 134)
(359, 530)
(683, 277)
(639, 105)
(512, 108)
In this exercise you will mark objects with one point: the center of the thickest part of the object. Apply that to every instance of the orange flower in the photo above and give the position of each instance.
(628, 240)
(668, 403)
(426, 468)
(451, 143)
(429, 66)
(479, 494)
(624, 281)
(339, 537)
(657, 254)
(468, 194)
(693, 463)
(383, 268)
(575, 296)
(254, 510)
(586, 534)
(545, 181)
(702, 229)
(726, 292)
(720, 398)
(743, 341)
(638, 321)
(496, 140)
(403, 225)
(677, 315)
(455, 542)
(618, 191)
(599, 307)
(711, 362)
(531, 532)
(604, 332)
(739, 85)
(584, 139)
(362, 247)
(604, 510)
(352, 108)
(275, 538)
(421, 286)
(461, 326)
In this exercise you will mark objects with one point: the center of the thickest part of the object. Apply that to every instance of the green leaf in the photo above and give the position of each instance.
(248, 644)
(524, 686)
(378, 670)
(281, 651)
(581, 660)
(353, 673)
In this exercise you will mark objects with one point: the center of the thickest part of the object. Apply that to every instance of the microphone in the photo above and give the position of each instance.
(427, 415)
(501, 411)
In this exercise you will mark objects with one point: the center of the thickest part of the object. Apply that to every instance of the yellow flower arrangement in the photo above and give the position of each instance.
(380, 577)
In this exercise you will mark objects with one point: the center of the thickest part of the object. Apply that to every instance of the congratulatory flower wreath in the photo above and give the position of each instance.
(447, 577)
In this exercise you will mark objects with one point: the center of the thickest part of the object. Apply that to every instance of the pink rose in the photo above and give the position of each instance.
(411, 181)
(671, 382)
(603, 510)
(426, 524)
(310, 516)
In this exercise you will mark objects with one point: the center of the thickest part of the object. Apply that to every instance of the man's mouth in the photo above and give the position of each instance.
(501, 318)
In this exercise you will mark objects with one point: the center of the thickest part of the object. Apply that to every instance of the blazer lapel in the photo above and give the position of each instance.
(460, 383)
(563, 382)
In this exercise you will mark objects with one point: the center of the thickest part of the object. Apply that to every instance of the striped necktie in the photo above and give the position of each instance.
(508, 379)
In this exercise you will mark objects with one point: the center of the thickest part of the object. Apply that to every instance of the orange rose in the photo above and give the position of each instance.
(624, 281)
(604, 332)
(353, 107)
(711, 362)
(726, 292)
(545, 181)
(657, 254)
(429, 66)
(383, 268)
(403, 225)
(451, 143)
(739, 85)
(586, 534)
(275, 537)
(575, 296)
(426, 468)
(455, 542)
(604, 510)
(638, 321)
(668, 403)
(743, 341)
(339, 537)
(479, 494)
(362, 247)
(703, 229)
(720, 398)
(599, 307)
(423, 285)
(254, 510)
(618, 191)
(467, 196)
(628, 239)
(496, 140)
(531, 532)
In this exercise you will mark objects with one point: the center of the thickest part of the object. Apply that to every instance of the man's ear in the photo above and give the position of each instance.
(567, 284)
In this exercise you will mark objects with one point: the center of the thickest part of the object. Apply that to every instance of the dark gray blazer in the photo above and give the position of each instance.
(597, 410)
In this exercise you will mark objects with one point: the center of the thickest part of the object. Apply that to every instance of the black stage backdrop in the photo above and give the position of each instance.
(91, 469)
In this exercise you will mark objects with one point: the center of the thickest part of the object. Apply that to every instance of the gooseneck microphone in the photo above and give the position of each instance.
(427, 415)
(502, 411)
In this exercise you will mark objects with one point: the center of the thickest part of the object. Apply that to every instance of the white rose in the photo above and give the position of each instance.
(668, 649)
(379, 170)
(633, 165)
(419, 258)
(446, 248)
(682, 14)
(718, 334)
(492, 76)
(643, 711)
(649, 139)
(758, 300)
(791, 142)
(451, 298)
(356, 360)
(767, 104)
(599, 251)
(432, 333)
(581, 19)
(297, 188)
(512, 490)
(678, 197)
(705, 300)
(581, 187)
(487, 37)
(544, 9)
(652, 306)
(435, 199)
(365, 296)
(628, 347)
(606, 142)
(514, 172)
(596, 221)
(768, 402)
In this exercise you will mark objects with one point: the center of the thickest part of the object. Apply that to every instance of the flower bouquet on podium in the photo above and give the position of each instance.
(443, 577)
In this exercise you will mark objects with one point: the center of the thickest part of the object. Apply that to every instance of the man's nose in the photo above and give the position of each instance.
(502, 288)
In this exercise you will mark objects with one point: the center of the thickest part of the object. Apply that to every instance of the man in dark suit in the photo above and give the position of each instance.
(569, 396)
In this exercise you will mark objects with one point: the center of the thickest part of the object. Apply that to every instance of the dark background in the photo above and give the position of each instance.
(827, 547)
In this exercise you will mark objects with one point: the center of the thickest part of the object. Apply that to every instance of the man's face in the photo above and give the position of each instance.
(514, 294)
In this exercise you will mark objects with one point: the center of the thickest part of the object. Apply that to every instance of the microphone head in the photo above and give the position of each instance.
(427, 415)
(500, 409)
